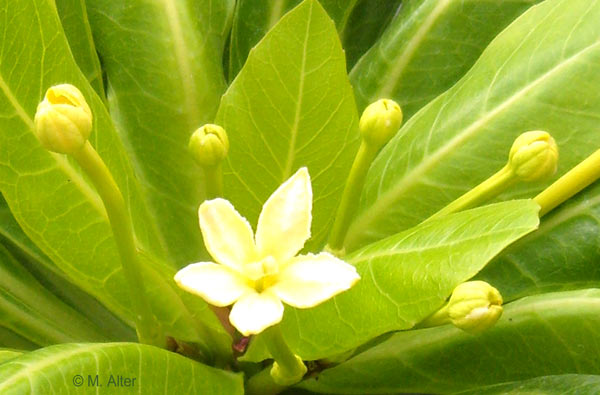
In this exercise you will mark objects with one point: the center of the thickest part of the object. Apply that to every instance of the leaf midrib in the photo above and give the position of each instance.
(184, 67)
(294, 132)
(388, 85)
(388, 198)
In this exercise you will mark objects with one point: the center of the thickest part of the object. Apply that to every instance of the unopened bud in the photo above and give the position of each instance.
(209, 145)
(379, 122)
(63, 120)
(475, 306)
(533, 156)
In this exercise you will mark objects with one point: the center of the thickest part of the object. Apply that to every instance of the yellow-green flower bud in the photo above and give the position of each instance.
(285, 378)
(379, 122)
(63, 120)
(209, 145)
(475, 306)
(533, 156)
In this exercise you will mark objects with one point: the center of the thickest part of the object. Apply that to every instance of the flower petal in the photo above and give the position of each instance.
(255, 312)
(312, 279)
(217, 284)
(284, 223)
(227, 235)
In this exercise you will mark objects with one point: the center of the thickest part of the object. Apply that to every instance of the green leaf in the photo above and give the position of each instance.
(30, 310)
(58, 369)
(159, 91)
(427, 48)
(291, 109)
(541, 335)
(6, 355)
(54, 280)
(253, 19)
(367, 22)
(566, 384)
(73, 16)
(538, 74)
(55, 205)
(10, 339)
(561, 255)
(406, 277)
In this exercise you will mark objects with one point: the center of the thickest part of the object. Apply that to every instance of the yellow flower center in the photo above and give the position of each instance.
(263, 273)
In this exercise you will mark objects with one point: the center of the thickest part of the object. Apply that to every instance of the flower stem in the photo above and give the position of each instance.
(485, 191)
(350, 197)
(262, 383)
(569, 184)
(438, 318)
(146, 326)
(214, 181)
(288, 368)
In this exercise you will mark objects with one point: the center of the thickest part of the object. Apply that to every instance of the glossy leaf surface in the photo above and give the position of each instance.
(55, 281)
(366, 24)
(163, 64)
(74, 20)
(548, 334)
(71, 368)
(538, 74)
(291, 109)
(562, 254)
(253, 19)
(428, 46)
(53, 202)
(406, 277)
(30, 310)
(567, 384)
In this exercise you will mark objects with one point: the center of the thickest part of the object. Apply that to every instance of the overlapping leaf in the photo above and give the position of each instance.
(253, 19)
(165, 78)
(367, 22)
(406, 277)
(76, 368)
(427, 48)
(551, 334)
(30, 310)
(54, 203)
(562, 254)
(566, 384)
(539, 73)
(288, 109)
(74, 20)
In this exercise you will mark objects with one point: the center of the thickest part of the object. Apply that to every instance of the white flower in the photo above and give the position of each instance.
(256, 272)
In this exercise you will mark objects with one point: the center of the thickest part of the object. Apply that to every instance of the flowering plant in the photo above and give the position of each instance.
(417, 181)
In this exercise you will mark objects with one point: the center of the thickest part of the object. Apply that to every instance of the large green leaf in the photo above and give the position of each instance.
(406, 277)
(539, 73)
(54, 280)
(253, 19)
(160, 90)
(427, 48)
(291, 109)
(53, 202)
(75, 368)
(566, 384)
(562, 254)
(7, 354)
(73, 16)
(367, 22)
(537, 336)
(10, 339)
(30, 310)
